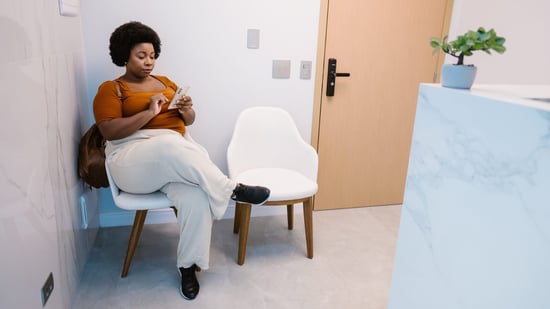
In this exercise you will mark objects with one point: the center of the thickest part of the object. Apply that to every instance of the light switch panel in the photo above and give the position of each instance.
(253, 38)
(281, 69)
(69, 7)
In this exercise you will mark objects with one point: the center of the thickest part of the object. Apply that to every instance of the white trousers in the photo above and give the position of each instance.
(162, 159)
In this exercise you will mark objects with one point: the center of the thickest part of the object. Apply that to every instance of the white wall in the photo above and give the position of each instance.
(204, 45)
(44, 111)
(525, 25)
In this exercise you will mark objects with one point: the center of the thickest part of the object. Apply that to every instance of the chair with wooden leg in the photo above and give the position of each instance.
(141, 203)
(266, 149)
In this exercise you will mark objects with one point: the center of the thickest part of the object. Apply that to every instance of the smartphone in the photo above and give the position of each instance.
(180, 92)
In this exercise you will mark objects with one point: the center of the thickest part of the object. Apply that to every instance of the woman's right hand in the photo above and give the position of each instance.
(156, 103)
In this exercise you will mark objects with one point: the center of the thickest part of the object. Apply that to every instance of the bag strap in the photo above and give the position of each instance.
(118, 92)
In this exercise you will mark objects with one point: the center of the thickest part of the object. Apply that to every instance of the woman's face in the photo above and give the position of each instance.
(141, 61)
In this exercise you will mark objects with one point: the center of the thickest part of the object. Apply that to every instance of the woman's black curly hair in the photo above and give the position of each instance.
(126, 36)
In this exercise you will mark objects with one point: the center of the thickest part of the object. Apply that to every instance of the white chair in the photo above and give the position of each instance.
(266, 149)
(141, 203)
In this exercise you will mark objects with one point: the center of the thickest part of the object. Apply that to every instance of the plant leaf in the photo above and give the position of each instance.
(434, 42)
(484, 36)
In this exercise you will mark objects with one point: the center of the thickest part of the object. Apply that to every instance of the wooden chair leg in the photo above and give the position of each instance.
(243, 231)
(134, 238)
(236, 220)
(290, 216)
(308, 222)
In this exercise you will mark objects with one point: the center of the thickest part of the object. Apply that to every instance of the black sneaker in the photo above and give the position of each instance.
(189, 283)
(250, 194)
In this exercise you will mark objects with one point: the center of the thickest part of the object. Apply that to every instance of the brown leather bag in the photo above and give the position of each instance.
(91, 158)
(91, 155)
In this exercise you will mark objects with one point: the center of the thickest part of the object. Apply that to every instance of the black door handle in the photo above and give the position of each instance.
(331, 78)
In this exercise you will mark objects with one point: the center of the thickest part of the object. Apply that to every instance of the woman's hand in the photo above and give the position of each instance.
(156, 103)
(184, 104)
(185, 108)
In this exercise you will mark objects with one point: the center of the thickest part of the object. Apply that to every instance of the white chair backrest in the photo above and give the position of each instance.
(268, 137)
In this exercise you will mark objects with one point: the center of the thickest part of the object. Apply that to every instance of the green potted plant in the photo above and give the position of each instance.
(460, 75)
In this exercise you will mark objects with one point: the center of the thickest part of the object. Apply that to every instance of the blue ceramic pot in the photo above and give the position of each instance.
(458, 76)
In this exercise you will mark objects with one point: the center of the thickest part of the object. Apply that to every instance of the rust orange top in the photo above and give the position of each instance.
(107, 104)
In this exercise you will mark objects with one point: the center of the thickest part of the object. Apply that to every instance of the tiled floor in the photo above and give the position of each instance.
(351, 268)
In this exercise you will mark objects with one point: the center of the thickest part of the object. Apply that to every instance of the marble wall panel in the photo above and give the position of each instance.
(43, 113)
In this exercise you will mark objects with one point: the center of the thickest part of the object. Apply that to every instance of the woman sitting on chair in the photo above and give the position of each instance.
(146, 149)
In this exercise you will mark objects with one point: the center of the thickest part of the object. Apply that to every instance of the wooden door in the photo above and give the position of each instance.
(363, 132)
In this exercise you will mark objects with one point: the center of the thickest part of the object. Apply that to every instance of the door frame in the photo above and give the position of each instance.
(319, 73)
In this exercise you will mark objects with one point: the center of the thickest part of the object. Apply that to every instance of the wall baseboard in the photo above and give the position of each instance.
(157, 216)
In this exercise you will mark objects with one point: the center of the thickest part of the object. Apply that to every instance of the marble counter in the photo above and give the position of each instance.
(475, 223)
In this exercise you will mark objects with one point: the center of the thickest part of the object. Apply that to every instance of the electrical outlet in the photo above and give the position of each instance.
(47, 289)
(84, 211)
(305, 70)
